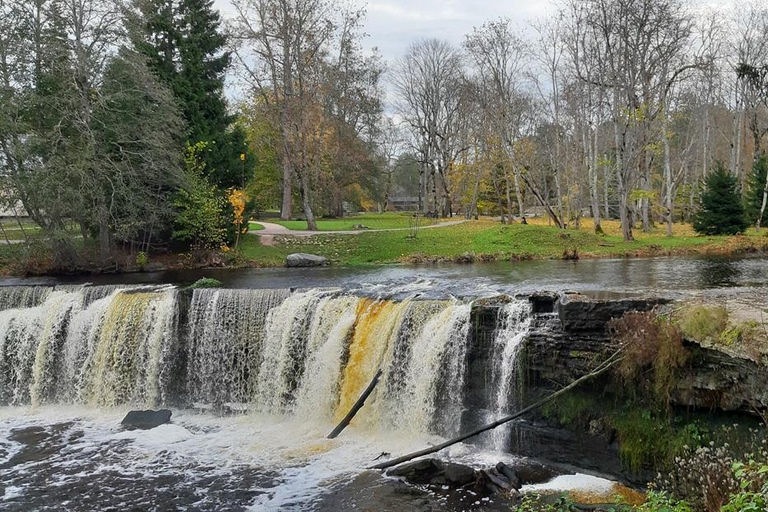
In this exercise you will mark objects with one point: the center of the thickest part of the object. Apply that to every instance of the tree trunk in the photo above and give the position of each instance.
(510, 213)
(306, 201)
(626, 226)
(593, 189)
(104, 249)
(356, 407)
(518, 192)
(670, 193)
(286, 207)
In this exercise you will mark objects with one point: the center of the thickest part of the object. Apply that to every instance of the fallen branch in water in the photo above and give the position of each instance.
(599, 370)
(358, 405)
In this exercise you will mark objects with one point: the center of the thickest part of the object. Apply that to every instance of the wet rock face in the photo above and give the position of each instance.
(568, 336)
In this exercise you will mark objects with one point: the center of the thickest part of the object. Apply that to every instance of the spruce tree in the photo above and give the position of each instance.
(183, 42)
(721, 212)
(755, 186)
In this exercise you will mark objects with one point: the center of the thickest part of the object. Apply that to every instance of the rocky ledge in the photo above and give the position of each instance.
(569, 335)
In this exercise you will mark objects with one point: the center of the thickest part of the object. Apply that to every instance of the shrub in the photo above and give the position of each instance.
(142, 259)
(650, 342)
(206, 282)
(660, 501)
(703, 323)
(649, 439)
(724, 477)
(754, 193)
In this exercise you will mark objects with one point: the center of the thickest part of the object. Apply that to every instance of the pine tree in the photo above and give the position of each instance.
(755, 187)
(721, 212)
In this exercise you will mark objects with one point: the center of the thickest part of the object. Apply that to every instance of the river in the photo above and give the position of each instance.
(258, 374)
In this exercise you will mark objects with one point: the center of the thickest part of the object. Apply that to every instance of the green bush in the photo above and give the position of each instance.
(702, 323)
(142, 259)
(663, 502)
(754, 193)
(206, 282)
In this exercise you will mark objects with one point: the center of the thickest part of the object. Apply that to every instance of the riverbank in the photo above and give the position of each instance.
(488, 241)
(469, 242)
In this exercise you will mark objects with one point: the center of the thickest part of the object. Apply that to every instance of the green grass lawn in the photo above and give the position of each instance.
(489, 241)
(387, 220)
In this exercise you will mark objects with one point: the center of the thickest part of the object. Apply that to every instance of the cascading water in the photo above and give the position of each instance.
(307, 353)
(108, 352)
(225, 343)
(514, 322)
(293, 362)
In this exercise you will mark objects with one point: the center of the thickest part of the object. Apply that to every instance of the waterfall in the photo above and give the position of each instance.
(437, 343)
(326, 346)
(225, 342)
(513, 325)
(108, 352)
(12, 297)
(307, 354)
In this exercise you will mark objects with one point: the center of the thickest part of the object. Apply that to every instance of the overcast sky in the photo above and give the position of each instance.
(392, 25)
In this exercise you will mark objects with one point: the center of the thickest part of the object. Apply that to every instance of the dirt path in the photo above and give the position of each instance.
(271, 230)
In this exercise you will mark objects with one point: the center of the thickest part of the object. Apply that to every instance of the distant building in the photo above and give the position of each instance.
(403, 203)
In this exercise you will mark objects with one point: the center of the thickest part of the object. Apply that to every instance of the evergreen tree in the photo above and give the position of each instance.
(755, 186)
(185, 46)
(721, 212)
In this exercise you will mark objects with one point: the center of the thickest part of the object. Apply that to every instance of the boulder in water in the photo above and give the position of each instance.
(306, 260)
(145, 420)
(509, 473)
(459, 474)
(422, 471)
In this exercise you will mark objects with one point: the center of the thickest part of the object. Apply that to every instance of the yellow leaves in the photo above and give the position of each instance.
(237, 199)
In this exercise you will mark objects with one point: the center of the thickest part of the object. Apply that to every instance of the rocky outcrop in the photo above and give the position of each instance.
(145, 420)
(569, 335)
(448, 475)
(306, 260)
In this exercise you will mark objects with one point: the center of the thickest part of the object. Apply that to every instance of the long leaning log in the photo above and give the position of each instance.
(358, 405)
(599, 370)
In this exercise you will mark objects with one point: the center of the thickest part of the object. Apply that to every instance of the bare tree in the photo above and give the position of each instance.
(282, 43)
(429, 84)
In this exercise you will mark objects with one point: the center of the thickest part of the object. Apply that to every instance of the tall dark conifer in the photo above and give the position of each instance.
(753, 199)
(721, 212)
(185, 46)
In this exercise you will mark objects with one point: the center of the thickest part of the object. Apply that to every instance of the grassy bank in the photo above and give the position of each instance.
(387, 220)
(473, 241)
(486, 240)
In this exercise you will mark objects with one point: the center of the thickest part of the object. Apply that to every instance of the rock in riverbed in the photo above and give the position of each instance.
(435, 472)
(145, 420)
(306, 260)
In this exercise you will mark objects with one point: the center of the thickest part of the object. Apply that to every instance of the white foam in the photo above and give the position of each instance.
(573, 482)
(12, 492)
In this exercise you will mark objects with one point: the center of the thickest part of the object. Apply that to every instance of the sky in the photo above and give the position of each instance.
(392, 25)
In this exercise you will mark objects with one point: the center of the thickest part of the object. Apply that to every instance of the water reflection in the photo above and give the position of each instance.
(626, 276)
(719, 274)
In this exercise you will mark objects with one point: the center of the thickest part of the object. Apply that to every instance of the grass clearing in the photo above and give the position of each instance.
(387, 220)
(487, 240)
